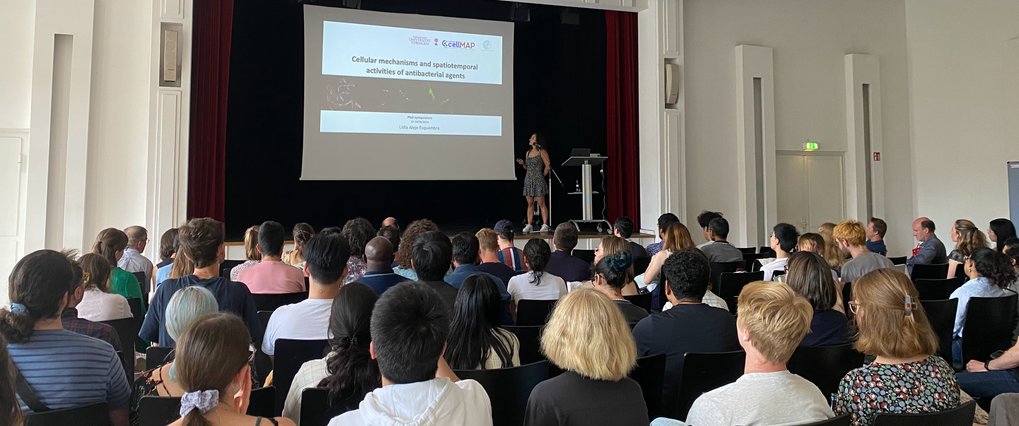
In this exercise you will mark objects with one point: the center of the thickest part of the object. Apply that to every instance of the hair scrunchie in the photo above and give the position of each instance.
(203, 401)
(17, 308)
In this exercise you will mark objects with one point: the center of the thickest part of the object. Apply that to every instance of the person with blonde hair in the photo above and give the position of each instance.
(967, 238)
(851, 238)
(251, 253)
(488, 253)
(831, 251)
(588, 338)
(906, 375)
(771, 321)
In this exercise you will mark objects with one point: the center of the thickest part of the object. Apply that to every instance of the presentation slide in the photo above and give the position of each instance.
(406, 97)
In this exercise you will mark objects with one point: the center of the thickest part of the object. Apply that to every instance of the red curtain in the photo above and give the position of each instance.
(621, 115)
(210, 76)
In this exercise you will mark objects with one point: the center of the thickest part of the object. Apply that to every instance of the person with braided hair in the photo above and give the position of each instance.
(907, 375)
(348, 371)
(610, 275)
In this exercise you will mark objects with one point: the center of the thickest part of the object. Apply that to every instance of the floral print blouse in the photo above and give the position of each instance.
(916, 387)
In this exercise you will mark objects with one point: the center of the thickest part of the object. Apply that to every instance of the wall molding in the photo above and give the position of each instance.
(862, 69)
(755, 187)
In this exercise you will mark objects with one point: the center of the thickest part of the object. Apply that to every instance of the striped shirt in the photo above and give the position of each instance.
(67, 369)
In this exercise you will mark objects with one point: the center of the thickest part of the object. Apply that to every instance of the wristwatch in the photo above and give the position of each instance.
(987, 365)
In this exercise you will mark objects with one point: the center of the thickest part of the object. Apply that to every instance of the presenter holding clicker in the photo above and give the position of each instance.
(538, 167)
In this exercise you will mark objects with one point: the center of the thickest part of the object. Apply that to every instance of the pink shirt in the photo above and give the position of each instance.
(272, 277)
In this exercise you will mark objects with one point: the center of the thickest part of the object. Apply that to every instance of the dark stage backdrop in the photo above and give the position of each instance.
(559, 90)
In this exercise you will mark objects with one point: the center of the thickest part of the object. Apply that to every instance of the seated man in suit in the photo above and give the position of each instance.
(562, 263)
(929, 249)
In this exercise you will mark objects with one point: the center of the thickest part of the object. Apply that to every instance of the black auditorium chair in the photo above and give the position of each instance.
(269, 302)
(263, 364)
(289, 355)
(989, 325)
(92, 415)
(158, 410)
(156, 356)
(650, 375)
(642, 300)
(508, 389)
(534, 312)
(958, 416)
(640, 265)
(929, 271)
(585, 255)
(941, 316)
(703, 372)
(937, 288)
(127, 332)
(730, 284)
(824, 366)
(843, 420)
(717, 268)
(900, 260)
(226, 266)
(529, 337)
(317, 410)
(261, 402)
(136, 308)
(747, 250)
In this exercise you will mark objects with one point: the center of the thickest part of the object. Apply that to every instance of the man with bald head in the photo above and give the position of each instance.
(929, 249)
(133, 261)
(379, 274)
(390, 221)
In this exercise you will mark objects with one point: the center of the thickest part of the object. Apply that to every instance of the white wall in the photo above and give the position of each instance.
(964, 75)
(810, 39)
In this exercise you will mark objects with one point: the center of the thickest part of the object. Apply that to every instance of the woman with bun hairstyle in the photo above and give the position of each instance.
(536, 284)
(610, 275)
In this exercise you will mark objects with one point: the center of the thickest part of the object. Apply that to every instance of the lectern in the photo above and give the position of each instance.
(586, 188)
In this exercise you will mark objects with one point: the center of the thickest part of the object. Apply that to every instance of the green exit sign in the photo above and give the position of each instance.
(810, 145)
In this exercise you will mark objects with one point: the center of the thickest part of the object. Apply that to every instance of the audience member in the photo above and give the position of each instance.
(929, 249)
(271, 275)
(184, 308)
(536, 284)
(876, 229)
(676, 237)
(710, 298)
(999, 231)
(181, 266)
(10, 411)
(703, 220)
(587, 337)
(851, 239)
(301, 234)
(784, 238)
(906, 376)
(212, 367)
(433, 253)
(476, 342)
(610, 275)
(201, 241)
(508, 254)
(466, 256)
(409, 329)
(378, 272)
(771, 322)
(488, 251)
(62, 369)
(325, 263)
(718, 250)
(251, 254)
(664, 221)
(562, 263)
(349, 372)
(133, 260)
(686, 275)
(406, 247)
(358, 231)
(832, 254)
(967, 238)
(811, 242)
(168, 244)
(809, 275)
(990, 273)
(69, 316)
(110, 244)
(390, 222)
(96, 302)
(623, 228)
(392, 234)
(610, 245)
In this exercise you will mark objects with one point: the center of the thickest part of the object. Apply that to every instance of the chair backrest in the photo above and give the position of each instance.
(960, 273)
(263, 364)
(847, 296)
(843, 420)
(158, 410)
(929, 271)
(226, 266)
(534, 312)
(650, 375)
(269, 302)
(717, 268)
(766, 251)
(530, 342)
(136, 308)
(747, 250)
(156, 356)
(958, 416)
(127, 332)
(508, 389)
(289, 356)
(937, 288)
(989, 325)
(642, 300)
(92, 415)
(317, 410)
(640, 265)
(941, 315)
(585, 255)
(143, 284)
(730, 284)
(261, 402)
(900, 260)
(824, 366)
(703, 372)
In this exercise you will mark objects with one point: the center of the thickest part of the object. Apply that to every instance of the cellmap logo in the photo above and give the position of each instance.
(457, 44)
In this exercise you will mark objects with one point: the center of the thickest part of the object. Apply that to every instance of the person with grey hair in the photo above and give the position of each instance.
(133, 260)
(186, 305)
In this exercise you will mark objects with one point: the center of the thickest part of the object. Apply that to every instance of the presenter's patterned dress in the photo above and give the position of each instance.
(534, 180)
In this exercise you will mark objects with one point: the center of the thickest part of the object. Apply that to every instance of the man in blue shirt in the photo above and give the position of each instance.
(876, 229)
(465, 263)
(379, 273)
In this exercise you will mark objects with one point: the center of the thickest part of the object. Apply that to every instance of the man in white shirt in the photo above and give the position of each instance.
(409, 327)
(783, 240)
(325, 266)
(133, 261)
(771, 321)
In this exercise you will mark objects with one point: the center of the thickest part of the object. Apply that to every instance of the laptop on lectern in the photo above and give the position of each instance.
(580, 152)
